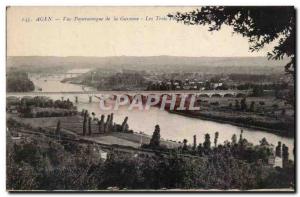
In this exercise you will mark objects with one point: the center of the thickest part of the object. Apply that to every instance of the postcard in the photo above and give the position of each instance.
(150, 99)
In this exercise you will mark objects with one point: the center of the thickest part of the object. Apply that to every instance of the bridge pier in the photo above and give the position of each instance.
(90, 99)
(76, 99)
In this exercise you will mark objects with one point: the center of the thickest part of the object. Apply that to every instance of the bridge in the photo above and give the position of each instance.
(88, 95)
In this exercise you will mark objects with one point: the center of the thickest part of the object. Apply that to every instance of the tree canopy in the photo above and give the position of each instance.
(261, 25)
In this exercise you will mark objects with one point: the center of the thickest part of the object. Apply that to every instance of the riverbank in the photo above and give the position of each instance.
(73, 125)
(173, 127)
(237, 121)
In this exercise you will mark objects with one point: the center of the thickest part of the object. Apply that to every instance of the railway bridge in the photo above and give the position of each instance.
(93, 96)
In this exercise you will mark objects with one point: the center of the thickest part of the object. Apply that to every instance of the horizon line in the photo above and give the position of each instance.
(137, 56)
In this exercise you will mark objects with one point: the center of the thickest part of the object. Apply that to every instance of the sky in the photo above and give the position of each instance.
(64, 36)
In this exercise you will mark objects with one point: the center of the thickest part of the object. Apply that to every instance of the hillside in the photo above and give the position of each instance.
(151, 63)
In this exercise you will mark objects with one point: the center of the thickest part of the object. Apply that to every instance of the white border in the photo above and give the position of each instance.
(4, 3)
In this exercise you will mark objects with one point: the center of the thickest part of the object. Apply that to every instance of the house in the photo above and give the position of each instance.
(186, 87)
(215, 85)
(178, 87)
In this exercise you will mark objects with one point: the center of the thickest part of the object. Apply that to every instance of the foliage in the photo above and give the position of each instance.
(155, 140)
(237, 105)
(207, 142)
(80, 171)
(252, 106)
(18, 81)
(57, 131)
(216, 138)
(243, 104)
(38, 162)
(40, 106)
(85, 116)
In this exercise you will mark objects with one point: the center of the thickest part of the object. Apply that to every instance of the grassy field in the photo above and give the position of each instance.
(262, 104)
(269, 114)
(74, 124)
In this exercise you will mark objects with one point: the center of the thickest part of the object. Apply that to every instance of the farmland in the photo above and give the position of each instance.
(73, 124)
(266, 113)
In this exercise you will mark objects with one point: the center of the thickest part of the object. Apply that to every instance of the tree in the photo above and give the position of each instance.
(243, 104)
(261, 25)
(258, 91)
(207, 142)
(263, 142)
(57, 131)
(185, 148)
(285, 156)
(234, 139)
(241, 136)
(89, 125)
(200, 149)
(155, 140)
(84, 123)
(18, 81)
(194, 142)
(93, 114)
(278, 149)
(230, 105)
(237, 105)
(216, 138)
(252, 106)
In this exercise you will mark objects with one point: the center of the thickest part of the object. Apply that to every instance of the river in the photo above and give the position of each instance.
(172, 126)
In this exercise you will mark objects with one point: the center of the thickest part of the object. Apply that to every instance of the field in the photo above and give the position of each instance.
(266, 113)
(73, 124)
(266, 104)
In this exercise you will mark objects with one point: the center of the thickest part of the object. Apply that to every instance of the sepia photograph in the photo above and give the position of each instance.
(150, 99)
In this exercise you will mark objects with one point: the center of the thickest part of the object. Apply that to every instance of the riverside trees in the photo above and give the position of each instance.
(155, 140)
(18, 81)
(76, 166)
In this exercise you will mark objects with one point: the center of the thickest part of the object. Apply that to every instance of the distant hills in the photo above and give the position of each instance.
(151, 63)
